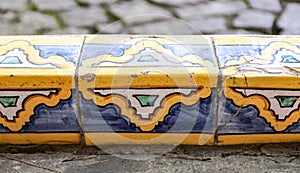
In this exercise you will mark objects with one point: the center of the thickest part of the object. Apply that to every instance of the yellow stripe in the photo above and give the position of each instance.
(144, 138)
(254, 40)
(263, 81)
(148, 138)
(45, 40)
(163, 39)
(40, 138)
(257, 138)
(111, 77)
(36, 79)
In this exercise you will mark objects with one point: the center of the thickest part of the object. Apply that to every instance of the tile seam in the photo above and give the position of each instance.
(78, 101)
(219, 91)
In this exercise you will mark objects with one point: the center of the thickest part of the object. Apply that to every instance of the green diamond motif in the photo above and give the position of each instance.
(147, 58)
(9, 101)
(289, 59)
(11, 60)
(286, 101)
(146, 100)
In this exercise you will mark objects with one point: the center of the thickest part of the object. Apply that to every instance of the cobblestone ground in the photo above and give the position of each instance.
(151, 17)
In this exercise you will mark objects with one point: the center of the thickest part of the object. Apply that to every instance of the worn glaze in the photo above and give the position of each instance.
(118, 89)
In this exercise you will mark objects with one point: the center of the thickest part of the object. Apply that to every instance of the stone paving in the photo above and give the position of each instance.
(268, 158)
(149, 17)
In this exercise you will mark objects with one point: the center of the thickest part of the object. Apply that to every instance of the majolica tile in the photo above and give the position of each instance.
(261, 89)
(149, 89)
(37, 89)
(140, 89)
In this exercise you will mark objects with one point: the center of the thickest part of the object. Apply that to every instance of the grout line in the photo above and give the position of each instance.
(215, 51)
(78, 101)
(218, 94)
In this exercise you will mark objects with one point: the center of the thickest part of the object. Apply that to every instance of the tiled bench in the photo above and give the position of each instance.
(118, 89)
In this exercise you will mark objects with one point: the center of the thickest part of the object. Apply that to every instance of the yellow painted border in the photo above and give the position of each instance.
(257, 138)
(40, 138)
(267, 81)
(134, 78)
(102, 138)
(163, 39)
(46, 40)
(254, 40)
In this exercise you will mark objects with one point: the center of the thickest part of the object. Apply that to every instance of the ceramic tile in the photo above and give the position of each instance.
(149, 90)
(260, 101)
(37, 89)
(138, 87)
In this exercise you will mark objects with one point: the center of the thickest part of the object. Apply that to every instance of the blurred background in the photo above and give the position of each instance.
(149, 17)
